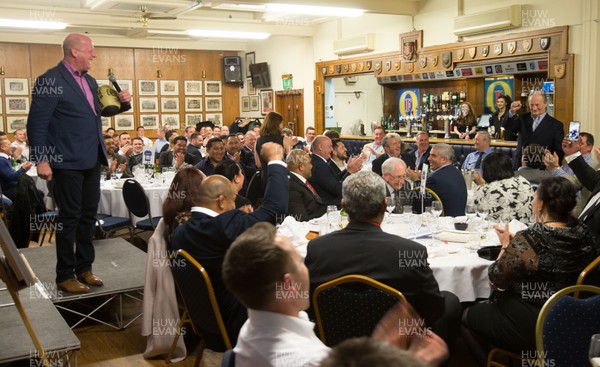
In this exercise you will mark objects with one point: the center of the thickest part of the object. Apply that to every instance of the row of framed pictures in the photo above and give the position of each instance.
(171, 104)
(153, 121)
(15, 105)
(13, 123)
(20, 87)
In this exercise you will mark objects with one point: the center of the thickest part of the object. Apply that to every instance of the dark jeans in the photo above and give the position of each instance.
(77, 193)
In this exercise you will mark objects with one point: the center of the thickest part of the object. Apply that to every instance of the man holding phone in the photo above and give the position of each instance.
(535, 126)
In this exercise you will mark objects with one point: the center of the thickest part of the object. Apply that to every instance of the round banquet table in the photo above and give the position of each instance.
(111, 199)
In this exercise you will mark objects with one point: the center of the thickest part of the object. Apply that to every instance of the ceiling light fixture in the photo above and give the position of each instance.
(31, 24)
(313, 10)
(228, 34)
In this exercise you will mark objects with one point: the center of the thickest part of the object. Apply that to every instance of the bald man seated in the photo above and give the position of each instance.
(215, 224)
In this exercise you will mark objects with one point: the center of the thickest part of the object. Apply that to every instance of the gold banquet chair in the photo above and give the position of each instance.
(343, 313)
(594, 279)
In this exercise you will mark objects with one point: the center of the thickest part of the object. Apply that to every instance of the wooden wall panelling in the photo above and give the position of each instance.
(44, 57)
(15, 59)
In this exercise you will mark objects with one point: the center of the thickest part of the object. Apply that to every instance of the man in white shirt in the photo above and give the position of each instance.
(141, 132)
(21, 142)
(268, 275)
(375, 149)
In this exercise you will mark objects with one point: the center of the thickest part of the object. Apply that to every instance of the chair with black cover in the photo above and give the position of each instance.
(195, 288)
(107, 225)
(429, 197)
(565, 326)
(351, 306)
(137, 204)
(255, 191)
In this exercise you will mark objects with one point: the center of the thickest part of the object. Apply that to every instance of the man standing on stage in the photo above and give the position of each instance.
(65, 134)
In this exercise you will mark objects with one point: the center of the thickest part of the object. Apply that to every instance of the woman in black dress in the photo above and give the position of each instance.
(466, 123)
(497, 120)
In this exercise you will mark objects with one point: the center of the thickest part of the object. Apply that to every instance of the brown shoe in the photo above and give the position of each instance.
(89, 279)
(73, 286)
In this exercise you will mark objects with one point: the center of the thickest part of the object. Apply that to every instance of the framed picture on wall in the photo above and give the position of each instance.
(126, 84)
(266, 101)
(169, 104)
(213, 104)
(192, 87)
(171, 119)
(106, 122)
(250, 59)
(212, 88)
(215, 118)
(193, 104)
(124, 122)
(14, 123)
(254, 103)
(148, 87)
(251, 89)
(169, 87)
(245, 104)
(148, 104)
(16, 87)
(149, 121)
(17, 105)
(193, 119)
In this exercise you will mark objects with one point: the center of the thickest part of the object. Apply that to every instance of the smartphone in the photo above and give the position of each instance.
(574, 127)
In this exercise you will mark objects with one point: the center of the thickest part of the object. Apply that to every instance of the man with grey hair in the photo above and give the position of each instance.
(392, 145)
(367, 250)
(535, 126)
(447, 181)
(303, 202)
(247, 152)
(394, 174)
(481, 142)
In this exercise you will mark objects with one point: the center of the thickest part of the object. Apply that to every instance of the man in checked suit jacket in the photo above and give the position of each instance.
(65, 136)
(215, 224)
(549, 133)
(303, 204)
(324, 180)
(590, 179)
(363, 248)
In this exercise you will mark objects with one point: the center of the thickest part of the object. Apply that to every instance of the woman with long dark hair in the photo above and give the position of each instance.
(466, 123)
(497, 120)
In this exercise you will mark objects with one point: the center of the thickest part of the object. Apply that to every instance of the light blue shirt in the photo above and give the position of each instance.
(472, 158)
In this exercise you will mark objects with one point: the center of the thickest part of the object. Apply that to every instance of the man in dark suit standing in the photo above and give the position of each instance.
(590, 179)
(304, 202)
(65, 134)
(215, 224)
(325, 181)
(392, 144)
(447, 181)
(367, 250)
(535, 126)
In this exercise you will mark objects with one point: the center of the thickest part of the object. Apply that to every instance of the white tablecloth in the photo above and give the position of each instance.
(111, 199)
(456, 266)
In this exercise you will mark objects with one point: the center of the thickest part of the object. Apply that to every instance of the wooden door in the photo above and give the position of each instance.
(290, 104)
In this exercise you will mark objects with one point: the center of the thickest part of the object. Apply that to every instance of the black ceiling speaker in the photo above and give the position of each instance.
(232, 69)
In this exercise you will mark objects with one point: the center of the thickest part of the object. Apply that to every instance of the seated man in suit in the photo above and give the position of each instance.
(363, 248)
(392, 144)
(535, 126)
(192, 152)
(114, 160)
(176, 157)
(304, 203)
(8, 176)
(137, 154)
(215, 153)
(421, 152)
(215, 224)
(481, 142)
(447, 181)
(125, 147)
(338, 156)
(394, 175)
(324, 180)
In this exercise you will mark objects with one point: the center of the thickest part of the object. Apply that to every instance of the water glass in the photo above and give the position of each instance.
(594, 353)
(407, 209)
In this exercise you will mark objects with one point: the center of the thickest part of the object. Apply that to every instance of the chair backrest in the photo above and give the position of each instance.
(198, 295)
(135, 198)
(254, 192)
(344, 312)
(430, 196)
(565, 325)
(594, 279)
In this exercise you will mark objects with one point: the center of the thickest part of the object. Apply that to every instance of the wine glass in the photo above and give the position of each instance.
(471, 212)
(482, 213)
(415, 224)
(333, 216)
(149, 173)
(390, 206)
(118, 172)
(594, 353)
(436, 208)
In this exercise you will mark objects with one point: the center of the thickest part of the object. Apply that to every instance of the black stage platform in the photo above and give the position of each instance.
(121, 266)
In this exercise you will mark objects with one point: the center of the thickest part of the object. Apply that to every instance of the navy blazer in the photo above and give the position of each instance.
(425, 158)
(303, 205)
(450, 186)
(408, 159)
(326, 182)
(8, 176)
(549, 134)
(62, 127)
(207, 239)
(363, 248)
